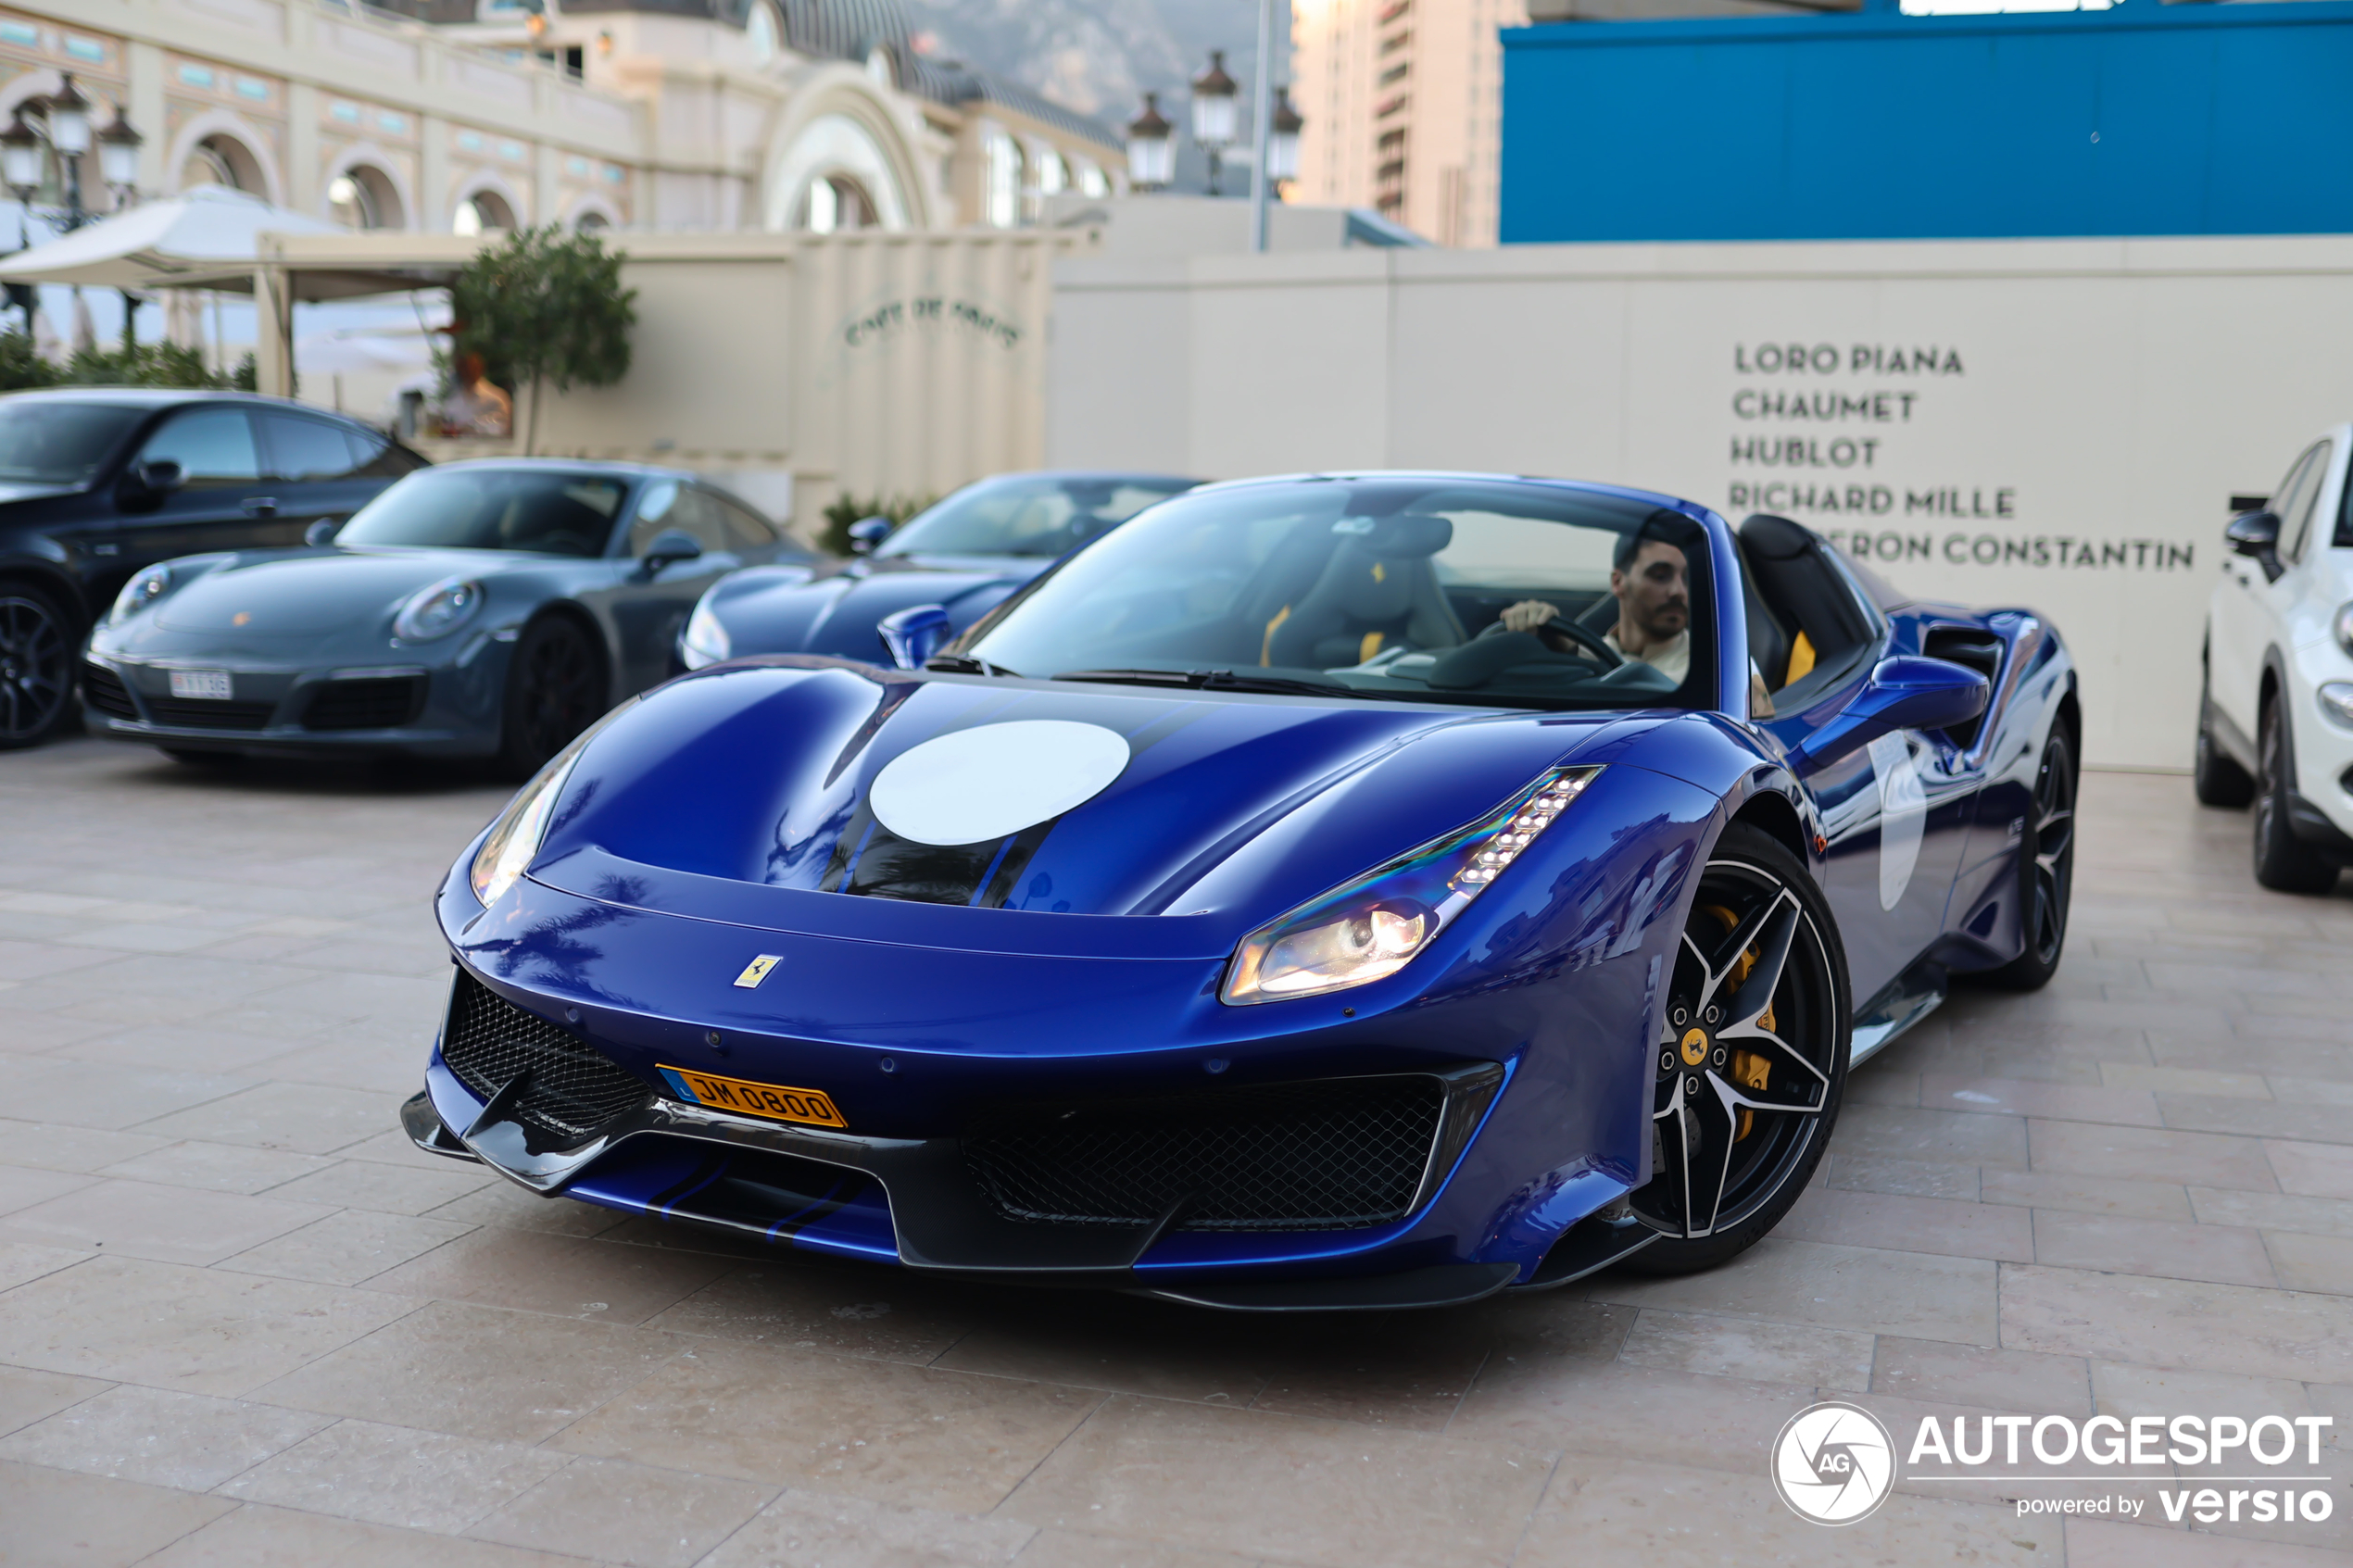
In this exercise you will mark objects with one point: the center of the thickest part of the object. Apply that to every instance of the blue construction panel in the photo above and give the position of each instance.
(2143, 119)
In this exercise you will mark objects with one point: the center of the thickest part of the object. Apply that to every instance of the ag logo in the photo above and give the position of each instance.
(1833, 1464)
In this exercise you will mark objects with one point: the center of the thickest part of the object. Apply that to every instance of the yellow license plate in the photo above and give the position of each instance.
(746, 1099)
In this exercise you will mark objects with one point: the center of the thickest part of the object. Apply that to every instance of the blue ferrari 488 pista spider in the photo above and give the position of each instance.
(1345, 890)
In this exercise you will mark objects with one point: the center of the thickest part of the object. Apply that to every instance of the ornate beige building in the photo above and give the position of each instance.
(451, 116)
(1404, 107)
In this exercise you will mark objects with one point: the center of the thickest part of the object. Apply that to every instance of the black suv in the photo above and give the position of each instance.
(97, 483)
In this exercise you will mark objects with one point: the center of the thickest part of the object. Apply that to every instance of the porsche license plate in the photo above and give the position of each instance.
(201, 684)
(746, 1099)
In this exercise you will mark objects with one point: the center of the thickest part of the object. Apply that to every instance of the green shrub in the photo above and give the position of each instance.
(847, 509)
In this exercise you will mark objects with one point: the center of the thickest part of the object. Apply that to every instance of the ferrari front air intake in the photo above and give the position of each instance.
(1330, 1155)
(573, 1092)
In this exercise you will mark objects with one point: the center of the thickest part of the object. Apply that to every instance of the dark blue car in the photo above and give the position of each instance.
(965, 555)
(1351, 890)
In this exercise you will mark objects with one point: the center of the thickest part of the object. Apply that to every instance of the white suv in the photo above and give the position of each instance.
(2275, 726)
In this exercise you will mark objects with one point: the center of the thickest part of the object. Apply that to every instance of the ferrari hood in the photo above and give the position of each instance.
(309, 590)
(774, 613)
(820, 796)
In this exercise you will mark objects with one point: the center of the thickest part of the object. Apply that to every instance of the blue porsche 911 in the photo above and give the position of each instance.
(1344, 890)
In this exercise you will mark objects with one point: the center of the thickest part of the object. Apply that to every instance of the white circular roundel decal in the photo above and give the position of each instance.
(984, 783)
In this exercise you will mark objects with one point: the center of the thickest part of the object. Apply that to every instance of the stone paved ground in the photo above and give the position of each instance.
(242, 1322)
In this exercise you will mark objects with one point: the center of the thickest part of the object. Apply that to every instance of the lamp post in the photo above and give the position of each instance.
(1151, 154)
(1214, 116)
(62, 131)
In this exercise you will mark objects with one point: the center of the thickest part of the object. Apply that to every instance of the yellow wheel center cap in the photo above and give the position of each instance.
(1694, 1048)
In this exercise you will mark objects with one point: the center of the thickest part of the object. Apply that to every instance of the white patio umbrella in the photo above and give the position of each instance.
(206, 234)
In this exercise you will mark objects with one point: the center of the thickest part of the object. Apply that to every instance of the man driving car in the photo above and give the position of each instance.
(1651, 581)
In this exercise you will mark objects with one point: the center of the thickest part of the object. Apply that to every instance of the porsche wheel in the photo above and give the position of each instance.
(555, 689)
(2283, 863)
(1751, 1061)
(36, 665)
(2045, 871)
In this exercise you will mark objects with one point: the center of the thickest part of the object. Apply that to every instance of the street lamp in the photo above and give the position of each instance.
(1213, 112)
(1151, 154)
(118, 157)
(1282, 146)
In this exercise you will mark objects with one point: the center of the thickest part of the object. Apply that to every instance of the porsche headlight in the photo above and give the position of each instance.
(437, 612)
(139, 593)
(514, 839)
(1374, 926)
(705, 642)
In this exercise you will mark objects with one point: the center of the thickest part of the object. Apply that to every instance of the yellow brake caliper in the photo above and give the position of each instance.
(1749, 1069)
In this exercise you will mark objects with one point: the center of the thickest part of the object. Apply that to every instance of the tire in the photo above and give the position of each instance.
(38, 646)
(555, 689)
(2215, 777)
(1736, 1133)
(2045, 871)
(2282, 862)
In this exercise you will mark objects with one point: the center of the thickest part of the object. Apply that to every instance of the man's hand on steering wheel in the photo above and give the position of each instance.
(1560, 634)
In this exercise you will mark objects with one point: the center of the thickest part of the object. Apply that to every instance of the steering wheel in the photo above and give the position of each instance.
(1608, 657)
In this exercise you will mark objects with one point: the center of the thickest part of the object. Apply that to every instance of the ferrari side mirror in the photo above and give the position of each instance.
(1904, 693)
(914, 634)
(867, 533)
(670, 546)
(322, 531)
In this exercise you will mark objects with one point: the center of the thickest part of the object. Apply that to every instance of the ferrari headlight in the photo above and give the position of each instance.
(1374, 926)
(139, 593)
(514, 839)
(437, 612)
(2343, 627)
(705, 642)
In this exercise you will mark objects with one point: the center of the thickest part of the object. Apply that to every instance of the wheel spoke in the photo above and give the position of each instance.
(1780, 1050)
(1697, 1165)
(1755, 997)
(1744, 937)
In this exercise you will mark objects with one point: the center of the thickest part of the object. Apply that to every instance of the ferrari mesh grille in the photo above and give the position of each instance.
(376, 702)
(105, 692)
(572, 1091)
(1315, 1156)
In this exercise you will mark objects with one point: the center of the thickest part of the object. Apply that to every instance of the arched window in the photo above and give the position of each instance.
(760, 30)
(591, 222)
(836, 202)
(221, 159)
(1090, 179)
(484, 210)
(1000, 205)
(363, 197)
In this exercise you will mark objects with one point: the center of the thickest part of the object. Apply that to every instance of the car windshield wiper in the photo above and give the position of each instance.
(965, 664)
(1212, 679)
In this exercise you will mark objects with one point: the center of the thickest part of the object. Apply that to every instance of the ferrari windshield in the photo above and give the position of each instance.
(1472, 590)
(47, 441)
(1041, 515)
(548, 511)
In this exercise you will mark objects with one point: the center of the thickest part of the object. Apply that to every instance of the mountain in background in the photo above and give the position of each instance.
(1101, 56)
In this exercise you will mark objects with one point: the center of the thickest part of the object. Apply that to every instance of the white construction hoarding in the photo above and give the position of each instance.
(2056, 424)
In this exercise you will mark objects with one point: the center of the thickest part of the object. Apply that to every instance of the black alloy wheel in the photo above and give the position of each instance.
(2045, 872)
(2283, 863)
(2215, 776)
(36, 665)
(1750, 1064)
(555, 689)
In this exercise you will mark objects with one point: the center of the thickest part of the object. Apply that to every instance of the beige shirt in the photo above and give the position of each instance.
(1671, 659)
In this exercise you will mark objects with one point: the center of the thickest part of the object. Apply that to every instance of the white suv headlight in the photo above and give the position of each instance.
(1374, 926)
(2345, 627)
